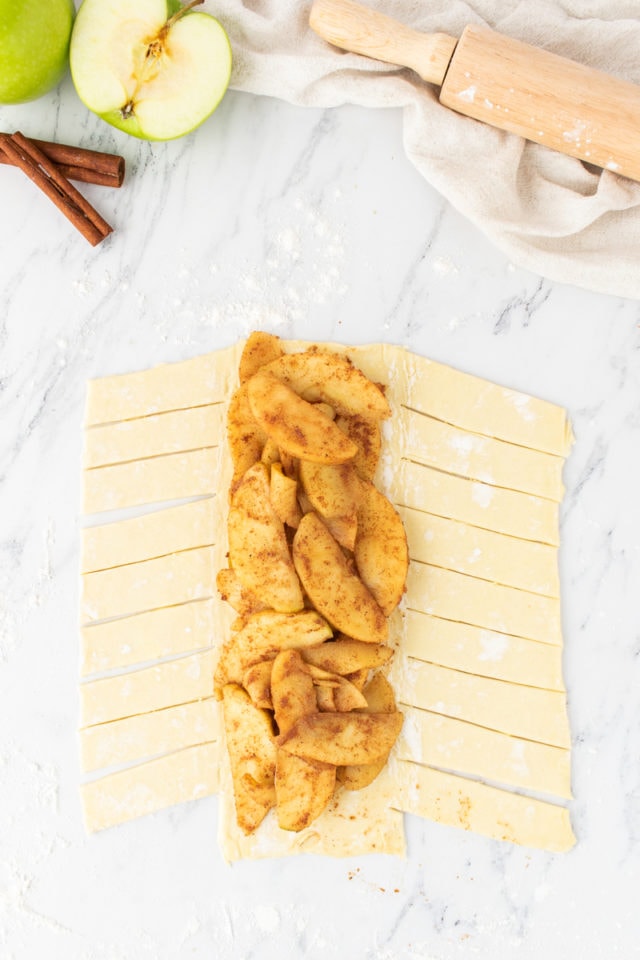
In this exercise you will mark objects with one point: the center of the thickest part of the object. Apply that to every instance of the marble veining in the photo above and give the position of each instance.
(311, 224)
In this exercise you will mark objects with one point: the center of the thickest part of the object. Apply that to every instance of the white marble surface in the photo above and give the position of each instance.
(309, 224)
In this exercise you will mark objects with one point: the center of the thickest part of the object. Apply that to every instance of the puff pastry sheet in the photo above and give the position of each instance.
(474, 468)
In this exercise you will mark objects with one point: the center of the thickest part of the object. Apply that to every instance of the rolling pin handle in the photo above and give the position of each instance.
(352, 27)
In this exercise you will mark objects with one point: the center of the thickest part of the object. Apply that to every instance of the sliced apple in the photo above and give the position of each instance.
(343, 530)
(343, 738)
(264, 635)
(252, 756)
(381, 552)
(284, 496)
(292, 689)
(365, 433)
(243, 600)
(333, 489)
(303, 787)
(153, 68)
(303, 790)
(245, 437)
(324, 698)
(345, 656)
(298, 427)
(257, 682)
(315, 376)
(335, 592)
(258, 549)
(346, 695)
(261, 348)
(380, 699)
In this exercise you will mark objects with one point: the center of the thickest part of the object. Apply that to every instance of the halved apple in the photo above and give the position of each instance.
(153, 68)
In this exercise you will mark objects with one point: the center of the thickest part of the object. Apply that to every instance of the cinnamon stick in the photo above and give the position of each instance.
(44, 173)
(76, 163)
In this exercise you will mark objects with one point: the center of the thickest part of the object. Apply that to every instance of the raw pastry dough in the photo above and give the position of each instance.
(152, 688)
(153, 635)
(457, 802)
(470, 501)
(482, 407)
(152, 436)
(456, 596)
(479, 457)
(175, 476)
(478, 471)
(484, 652)
(439, 741)
(169, 386)
(482, 553)
(177, 778)
(149, 734)
(528, 712)
(160, 582)
(151, 535)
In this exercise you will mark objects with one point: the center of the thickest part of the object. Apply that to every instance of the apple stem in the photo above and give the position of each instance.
(180, 13)
(155, 49)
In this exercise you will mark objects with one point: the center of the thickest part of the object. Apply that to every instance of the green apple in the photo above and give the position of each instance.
(34, 47)
(153, 68)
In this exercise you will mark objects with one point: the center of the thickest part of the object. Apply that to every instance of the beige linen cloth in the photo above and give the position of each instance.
(547, 212)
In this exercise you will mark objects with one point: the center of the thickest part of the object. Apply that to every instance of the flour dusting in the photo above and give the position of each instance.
(494, 646)
(482, 494)
(468, 95)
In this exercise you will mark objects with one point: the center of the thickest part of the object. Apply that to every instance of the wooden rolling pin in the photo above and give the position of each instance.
(513, 86)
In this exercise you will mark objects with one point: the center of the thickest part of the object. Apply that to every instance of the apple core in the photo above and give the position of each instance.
(155, 69)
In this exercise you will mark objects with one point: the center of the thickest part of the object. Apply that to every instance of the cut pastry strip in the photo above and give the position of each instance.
(482, 553)
(456, 596)
(170, 386)
(491, 461)
(152, 535)
(470, 501)
(482, 407)
(153, 635)
(163, 581)
(521, 711)
(438, 741)
(458, 802)
(175, 476)
(152, 436)
(152, 688)
(149, 734)
(485, 652)
(177, 778)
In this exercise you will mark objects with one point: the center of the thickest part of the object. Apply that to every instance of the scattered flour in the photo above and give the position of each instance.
(522, 403)
(493, 646)
(412, 737)
(468, 95)
(518, 762)
(443, 266)
(267, 918)
(575, 135)
(482, 494)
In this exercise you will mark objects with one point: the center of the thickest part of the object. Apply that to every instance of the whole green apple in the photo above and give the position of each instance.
(34, 47)
(154, 68)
